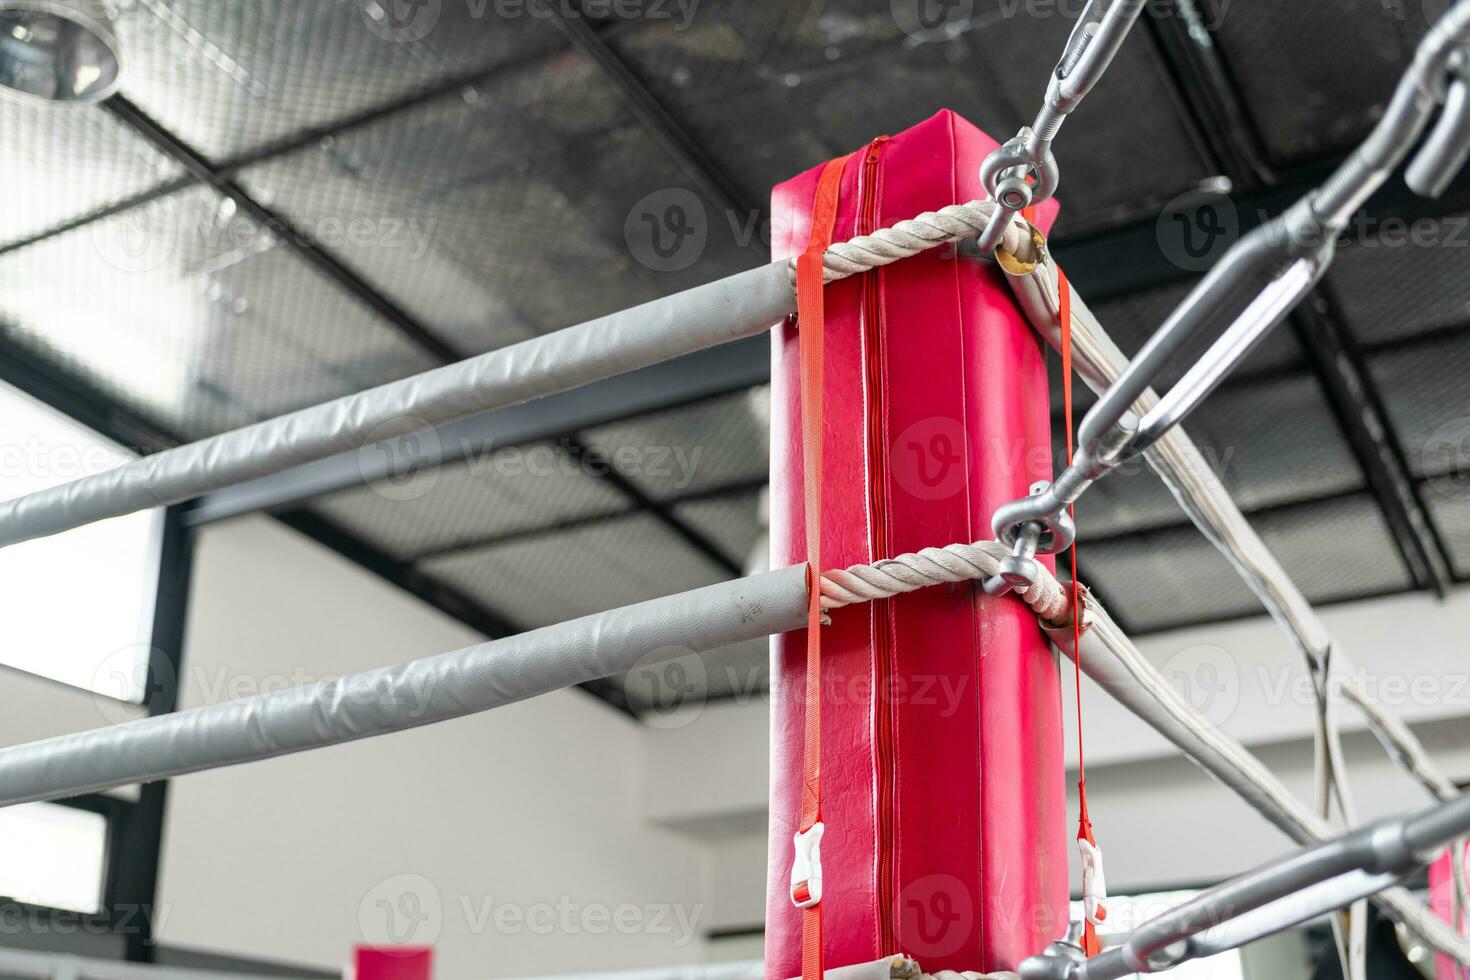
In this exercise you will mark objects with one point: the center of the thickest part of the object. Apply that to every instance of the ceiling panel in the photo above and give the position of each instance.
(503, 210)
(560, 576)
(732, 523)
(1166, 579)
(1132, 498)
(1448, 500)
(64, 162)
(496, 493)
(1414, 281)
(773, 89)
(1423, 388)
(716, 443)
(1316, 76)
(1275, 443)
(1336, 550)
(185, 310)
(231, 75)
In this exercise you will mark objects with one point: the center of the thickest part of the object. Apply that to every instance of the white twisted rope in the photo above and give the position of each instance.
(903, 968)
(908, 238)
(937, 566)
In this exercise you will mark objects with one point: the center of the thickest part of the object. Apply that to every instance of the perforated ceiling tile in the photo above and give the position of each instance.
(773, 89)
(229, 76)
(1275, 443)
(717, 443)
(504, 211)
(1316, 76)
(186, 311)
(1448, 501)
(1132, 319)
(1336, 550)
(496, 493)
(1395, 288)
(731, 523)
(1166, 579)
(550, 578)
(1130, 499)
(1428, 403)
(62, 162)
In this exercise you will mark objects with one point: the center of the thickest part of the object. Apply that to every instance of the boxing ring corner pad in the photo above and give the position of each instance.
(409, 695)
(742, 305)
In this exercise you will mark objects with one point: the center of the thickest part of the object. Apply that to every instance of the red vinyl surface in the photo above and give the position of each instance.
(393, 963)
(942, 755)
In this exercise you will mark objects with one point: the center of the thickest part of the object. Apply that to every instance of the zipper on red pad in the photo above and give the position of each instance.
(868, 220)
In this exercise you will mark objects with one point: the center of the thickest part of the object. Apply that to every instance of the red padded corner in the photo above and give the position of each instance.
(942, 745)
(393, 963)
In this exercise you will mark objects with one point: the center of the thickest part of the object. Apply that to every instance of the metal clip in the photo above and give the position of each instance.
(1024, 171)
(806, 867)
(1018, 570)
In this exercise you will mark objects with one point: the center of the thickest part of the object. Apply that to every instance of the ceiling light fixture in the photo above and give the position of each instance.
(58, 50)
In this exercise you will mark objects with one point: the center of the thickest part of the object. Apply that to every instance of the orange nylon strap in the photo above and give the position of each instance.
(1090, 943)
(811, 322)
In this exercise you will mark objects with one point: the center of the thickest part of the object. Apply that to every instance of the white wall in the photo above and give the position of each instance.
(483, 835)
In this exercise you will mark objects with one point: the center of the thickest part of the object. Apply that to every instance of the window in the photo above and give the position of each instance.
(53, 855)
(76, 607)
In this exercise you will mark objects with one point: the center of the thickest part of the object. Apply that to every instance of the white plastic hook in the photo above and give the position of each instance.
(806, 867)
(1094, 883)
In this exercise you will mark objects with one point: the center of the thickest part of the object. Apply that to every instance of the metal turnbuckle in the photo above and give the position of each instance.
(1292, 251)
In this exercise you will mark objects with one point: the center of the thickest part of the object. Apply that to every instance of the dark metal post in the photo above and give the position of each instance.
(136, 840)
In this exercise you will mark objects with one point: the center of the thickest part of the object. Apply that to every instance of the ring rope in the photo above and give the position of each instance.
(931, 229)
(937, 566)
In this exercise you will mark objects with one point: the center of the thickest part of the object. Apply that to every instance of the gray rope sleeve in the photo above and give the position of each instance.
(739, 306)
(420, 692)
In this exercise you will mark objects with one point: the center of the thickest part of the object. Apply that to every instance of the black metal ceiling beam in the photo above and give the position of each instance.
(660, 510)
(1208, 91)
(147, 197)
(1358, 408)
(688, 152)
(291, 236)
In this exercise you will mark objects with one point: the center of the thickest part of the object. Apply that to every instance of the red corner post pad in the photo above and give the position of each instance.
(941, 745)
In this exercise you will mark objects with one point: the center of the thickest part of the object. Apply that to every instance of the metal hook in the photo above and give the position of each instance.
(1444, 154)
